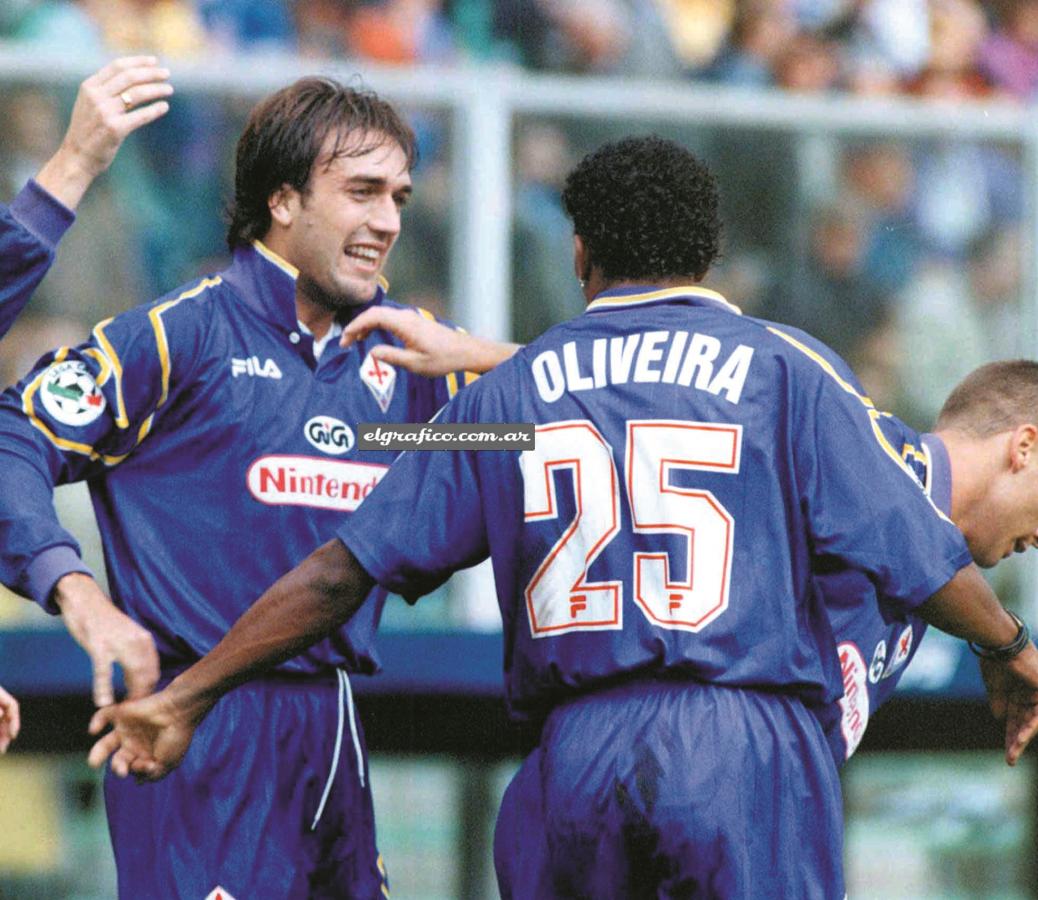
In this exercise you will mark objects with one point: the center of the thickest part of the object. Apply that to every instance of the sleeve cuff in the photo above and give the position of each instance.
(45, 570)
(42, 214)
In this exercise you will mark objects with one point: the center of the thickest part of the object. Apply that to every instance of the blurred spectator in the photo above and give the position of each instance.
(880, 181)
(544, 286)
(883, 42)
(1009, 57)
(322, 26)
(940, 335)
(964, 190)
(169, 28)
(996, 284)
(952, 318)
(894, 33)
(401, 32)
(808, 65)
(587, 36)
(696, 29)
(833, 295)
(71, 26)
(958, 29)
(760, 35)
(236, 25)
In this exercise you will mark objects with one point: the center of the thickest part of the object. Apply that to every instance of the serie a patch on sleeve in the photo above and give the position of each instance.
(70, 394)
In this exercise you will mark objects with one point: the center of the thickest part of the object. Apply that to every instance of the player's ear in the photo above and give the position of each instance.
(1023, 447)
(283, 204)
(581, 261)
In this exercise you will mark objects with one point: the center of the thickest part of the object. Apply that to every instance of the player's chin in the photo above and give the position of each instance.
(356, 290)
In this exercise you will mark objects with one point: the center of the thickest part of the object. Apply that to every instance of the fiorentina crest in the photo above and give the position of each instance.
(219, 893)
(380, 378)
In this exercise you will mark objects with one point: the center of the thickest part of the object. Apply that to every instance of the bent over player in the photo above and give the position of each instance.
(215, 427)
(654, 558)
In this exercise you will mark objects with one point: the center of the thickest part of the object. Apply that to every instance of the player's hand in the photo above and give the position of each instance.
(122, 97)
(996, 682)
(108, 636)
(149, 737)
(430, 349)
(10, 722)
(1021, 702)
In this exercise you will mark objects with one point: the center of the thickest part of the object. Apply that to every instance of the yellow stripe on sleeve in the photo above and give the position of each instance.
(874, 414)
(115, 365)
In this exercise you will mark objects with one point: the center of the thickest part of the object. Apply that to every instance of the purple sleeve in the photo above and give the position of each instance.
(30, 229)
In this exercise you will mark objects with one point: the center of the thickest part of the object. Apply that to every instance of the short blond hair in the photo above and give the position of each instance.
(996, 397)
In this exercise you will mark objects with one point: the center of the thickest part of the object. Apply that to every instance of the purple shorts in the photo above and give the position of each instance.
(673, 789)
(272, 800)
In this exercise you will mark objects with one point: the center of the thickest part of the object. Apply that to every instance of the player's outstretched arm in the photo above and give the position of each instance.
(967, 607)
(123, 96)
(10, 721)
(430, 349)
(149, 737)
(109, 636)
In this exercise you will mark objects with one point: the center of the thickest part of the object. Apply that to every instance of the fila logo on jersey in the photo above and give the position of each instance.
(329, 435)
(311, 481)
(252, 366)
(70, 394)
(380, 377)
(219, 893)
(855, 700)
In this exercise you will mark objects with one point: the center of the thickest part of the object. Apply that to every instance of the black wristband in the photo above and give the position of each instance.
(1010, 650)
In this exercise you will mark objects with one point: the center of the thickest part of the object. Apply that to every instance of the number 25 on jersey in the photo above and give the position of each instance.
(560, 597)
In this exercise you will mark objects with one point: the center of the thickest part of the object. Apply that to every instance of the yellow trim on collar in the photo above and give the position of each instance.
(662, 294)
(279, 261)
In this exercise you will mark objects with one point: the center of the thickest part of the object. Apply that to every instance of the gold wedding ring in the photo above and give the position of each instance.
(127, 102)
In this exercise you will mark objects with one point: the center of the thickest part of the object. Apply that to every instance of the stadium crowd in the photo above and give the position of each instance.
(963, 48)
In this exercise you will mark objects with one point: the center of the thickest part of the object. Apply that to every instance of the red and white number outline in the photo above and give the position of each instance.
(559, 598)
(592, 606)
(655, 449)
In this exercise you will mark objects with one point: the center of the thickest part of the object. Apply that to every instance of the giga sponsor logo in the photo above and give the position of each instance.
(329, 435)
(311, 481)
(855, 700)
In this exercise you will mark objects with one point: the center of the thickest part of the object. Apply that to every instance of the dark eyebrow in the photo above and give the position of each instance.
(374, 181)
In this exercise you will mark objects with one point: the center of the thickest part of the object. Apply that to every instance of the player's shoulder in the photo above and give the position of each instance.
(177, 323)
(805, 354)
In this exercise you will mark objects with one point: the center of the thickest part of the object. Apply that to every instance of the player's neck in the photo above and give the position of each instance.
(317, 318)
(596, 284)
(973, 463)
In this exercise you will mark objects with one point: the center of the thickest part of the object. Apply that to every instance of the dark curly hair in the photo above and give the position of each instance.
(646, 209)
(285, 134)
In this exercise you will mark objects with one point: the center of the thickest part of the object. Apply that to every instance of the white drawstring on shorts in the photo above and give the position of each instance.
(344, 688)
